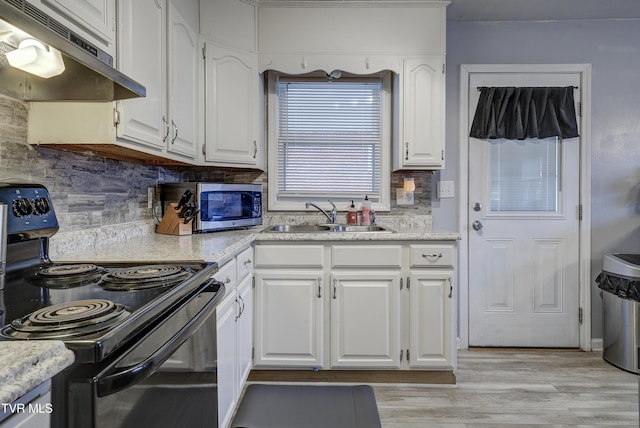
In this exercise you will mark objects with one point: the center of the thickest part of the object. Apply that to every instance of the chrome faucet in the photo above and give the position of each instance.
(333, 217)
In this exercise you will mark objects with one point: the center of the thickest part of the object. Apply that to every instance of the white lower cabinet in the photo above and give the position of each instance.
(430, 328)
(289, 318)
(234, 316)
(345, 305)
(365, 319)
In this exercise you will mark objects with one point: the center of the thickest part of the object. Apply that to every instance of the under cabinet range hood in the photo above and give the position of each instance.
(88, 73)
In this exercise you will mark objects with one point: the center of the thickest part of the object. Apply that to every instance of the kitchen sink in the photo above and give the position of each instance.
(298, 228)
(357, 228)
(313, 228)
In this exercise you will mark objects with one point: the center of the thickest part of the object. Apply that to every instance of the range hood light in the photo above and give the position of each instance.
(34, 57)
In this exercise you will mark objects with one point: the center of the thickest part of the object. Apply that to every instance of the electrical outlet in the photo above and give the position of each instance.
(404, 197)
(150, 195)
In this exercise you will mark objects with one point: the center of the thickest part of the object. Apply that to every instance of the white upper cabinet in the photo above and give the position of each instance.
(162, 55)
(351, 28)
(231, 106)
(232, 22)
(143, 48)
(183, 86)
(420, 121)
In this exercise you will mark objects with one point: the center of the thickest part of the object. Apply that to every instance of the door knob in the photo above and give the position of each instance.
(477, 206)
(477, 225)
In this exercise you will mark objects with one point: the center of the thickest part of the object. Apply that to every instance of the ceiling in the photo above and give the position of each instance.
(541, 10)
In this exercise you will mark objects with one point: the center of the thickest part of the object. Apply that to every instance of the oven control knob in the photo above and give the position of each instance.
(22, 207)
(41, 206)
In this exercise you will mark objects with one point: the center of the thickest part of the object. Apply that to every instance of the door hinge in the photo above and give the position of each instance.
(116, 117)
(253, 282)
(407, 355)
(400, 284)
(443, 154)
(579, 315)
(580, 108)
(444, 68)
(408, 282)
(401, 354)
(580, 212)
(204, 51)
(253, 353)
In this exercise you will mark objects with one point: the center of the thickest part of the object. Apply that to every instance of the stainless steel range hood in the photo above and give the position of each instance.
(88, 75)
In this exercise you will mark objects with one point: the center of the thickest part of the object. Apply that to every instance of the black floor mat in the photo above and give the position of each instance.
(307, 406)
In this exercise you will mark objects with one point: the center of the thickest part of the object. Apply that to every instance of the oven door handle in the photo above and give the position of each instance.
(118, 376)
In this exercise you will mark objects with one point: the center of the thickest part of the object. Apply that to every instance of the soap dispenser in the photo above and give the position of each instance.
(366, 211)
(352, 214)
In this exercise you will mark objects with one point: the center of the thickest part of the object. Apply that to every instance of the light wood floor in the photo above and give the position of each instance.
(517, 389)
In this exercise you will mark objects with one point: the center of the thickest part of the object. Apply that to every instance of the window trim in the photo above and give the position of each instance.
(298, 204)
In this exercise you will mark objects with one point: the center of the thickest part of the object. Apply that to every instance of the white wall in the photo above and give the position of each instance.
(613, 49)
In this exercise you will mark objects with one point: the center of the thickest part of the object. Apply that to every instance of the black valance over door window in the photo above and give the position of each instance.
(517, 113)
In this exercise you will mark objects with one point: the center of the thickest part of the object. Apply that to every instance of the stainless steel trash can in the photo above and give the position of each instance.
(620, 282)
(621, 332)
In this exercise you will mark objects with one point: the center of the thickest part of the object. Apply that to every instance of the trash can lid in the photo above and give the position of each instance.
(627, 265)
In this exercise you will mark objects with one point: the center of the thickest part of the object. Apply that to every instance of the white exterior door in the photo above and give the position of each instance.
(523, 216)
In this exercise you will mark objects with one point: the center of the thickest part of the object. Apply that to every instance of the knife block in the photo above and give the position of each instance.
(171, 224)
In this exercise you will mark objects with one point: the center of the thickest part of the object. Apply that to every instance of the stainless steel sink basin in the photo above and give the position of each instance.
(355, 228)
(298, 228)
(311, 228)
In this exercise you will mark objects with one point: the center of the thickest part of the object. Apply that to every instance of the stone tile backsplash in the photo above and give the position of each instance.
(91, 191)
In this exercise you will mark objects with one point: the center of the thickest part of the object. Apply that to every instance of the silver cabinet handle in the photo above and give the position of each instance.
(255, 149)
(335, 288)
(430, 256)
(247, 262)
(450, 288)
(175, 135)
(166, 125)
(319, 288)
(406, 156)
(227, 280)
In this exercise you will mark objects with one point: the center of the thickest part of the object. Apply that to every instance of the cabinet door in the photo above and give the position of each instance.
(431, 337)
(421, 144)
(231, 106)
(365, 320)
(142, 48)
(183, 85)
(227, 376)
(289, 318)
(245, 331)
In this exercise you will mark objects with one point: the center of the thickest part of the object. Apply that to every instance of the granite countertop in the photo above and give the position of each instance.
(25, 364)
(220, 247)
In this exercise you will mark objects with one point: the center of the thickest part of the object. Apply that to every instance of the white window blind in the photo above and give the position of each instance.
(525, 175)
(329, 138)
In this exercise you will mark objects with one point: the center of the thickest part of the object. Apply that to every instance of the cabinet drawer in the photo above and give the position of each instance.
(431, 255)
(245, 263)
(227, 274)
(366, 255)
(311, 256)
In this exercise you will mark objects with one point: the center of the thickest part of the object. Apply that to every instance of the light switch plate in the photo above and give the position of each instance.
(445, 189)
(403, 197)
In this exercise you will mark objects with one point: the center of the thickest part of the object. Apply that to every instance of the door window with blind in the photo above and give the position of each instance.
(328, 139)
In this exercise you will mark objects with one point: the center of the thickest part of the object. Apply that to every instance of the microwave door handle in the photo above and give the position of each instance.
(114, 379)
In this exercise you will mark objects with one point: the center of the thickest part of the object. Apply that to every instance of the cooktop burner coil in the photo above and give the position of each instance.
(143, 277)
(65, 320)
(68, 275)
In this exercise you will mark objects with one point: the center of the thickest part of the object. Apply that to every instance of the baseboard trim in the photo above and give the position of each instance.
(431, 377)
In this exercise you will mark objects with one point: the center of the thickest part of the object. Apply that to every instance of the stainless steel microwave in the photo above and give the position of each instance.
(217, 206)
